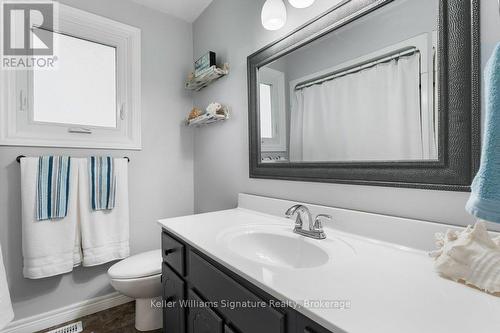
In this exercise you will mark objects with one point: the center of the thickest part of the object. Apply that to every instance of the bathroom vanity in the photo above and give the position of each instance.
(244, 270)
(219, 300)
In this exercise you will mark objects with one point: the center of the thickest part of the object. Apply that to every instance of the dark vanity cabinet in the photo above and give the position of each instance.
(305, 325)
(202, 319)
(202, 296)
(173, 291)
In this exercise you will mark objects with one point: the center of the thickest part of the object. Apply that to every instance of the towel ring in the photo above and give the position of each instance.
(18, 159)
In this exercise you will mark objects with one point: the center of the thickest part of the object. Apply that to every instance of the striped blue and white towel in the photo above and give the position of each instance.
(102, 183)
(53, 187)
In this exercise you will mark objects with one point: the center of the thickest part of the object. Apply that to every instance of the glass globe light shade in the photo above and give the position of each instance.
(301, 3)
(273, 14)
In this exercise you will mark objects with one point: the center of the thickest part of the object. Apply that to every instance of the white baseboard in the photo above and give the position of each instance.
(65, 314)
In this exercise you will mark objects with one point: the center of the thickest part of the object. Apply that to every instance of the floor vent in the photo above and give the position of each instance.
(71, 328)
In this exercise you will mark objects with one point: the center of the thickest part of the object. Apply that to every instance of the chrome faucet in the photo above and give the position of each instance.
(304, 215)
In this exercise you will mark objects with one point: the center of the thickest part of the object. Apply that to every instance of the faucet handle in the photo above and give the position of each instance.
(318, 225)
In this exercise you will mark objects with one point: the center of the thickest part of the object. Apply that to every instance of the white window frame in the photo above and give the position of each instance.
(17, 127)
(276, 80)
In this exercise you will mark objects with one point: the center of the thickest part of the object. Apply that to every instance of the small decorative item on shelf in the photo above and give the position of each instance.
(195, 113)
(215, 112)
(208, 76)
(204, 63)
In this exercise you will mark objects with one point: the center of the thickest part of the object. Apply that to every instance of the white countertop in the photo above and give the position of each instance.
(391, 289)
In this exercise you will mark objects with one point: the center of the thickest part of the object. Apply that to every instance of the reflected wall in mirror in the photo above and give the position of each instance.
(371, 92)
(366, 92)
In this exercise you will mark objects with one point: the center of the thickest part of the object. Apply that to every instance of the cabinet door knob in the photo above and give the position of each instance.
(167, 252)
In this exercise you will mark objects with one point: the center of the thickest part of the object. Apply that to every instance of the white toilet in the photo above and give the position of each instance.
(139, 277)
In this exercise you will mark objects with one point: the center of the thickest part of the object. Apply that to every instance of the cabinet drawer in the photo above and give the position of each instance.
(218, 287)
(305, 325)
(202, 319)
(173, 291)
(228, 329)
(173, 253)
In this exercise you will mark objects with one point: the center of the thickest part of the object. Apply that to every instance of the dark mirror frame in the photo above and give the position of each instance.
(458, 98)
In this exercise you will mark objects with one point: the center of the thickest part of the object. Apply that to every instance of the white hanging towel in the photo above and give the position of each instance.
(6, 313)
(50, 247)
(105, 233)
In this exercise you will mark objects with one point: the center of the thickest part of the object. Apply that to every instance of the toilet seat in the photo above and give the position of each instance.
(138, 266)
(144, 287)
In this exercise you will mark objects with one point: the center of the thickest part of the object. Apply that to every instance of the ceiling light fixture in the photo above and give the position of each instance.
(301, 3)
(273, 14)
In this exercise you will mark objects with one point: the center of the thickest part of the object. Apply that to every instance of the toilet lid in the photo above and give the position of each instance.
(137, 266)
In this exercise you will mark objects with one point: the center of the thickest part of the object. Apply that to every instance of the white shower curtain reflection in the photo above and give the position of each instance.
(370, 115)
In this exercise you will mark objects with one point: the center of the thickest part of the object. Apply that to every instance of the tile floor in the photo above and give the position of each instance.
(119, 319)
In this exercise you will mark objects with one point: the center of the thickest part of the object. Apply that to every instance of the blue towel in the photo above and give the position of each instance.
(53, 187)
(484, 201)
(102, 183)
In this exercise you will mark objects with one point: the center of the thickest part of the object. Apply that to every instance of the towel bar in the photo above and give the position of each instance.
(18, 159)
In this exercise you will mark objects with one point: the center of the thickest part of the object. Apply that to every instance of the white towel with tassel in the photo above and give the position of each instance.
(50, 247)
(6, 313)
(105, 233)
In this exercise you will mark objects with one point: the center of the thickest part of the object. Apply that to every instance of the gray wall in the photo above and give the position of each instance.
(161, 175)
(219, 174)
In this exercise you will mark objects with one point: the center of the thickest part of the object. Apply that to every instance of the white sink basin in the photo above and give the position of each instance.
(274, 247)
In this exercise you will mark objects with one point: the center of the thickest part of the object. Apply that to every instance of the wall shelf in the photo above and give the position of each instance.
(212, 74)
(206, 119)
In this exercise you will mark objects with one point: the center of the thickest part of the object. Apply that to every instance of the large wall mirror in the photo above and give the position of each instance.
(372, 92)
